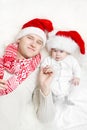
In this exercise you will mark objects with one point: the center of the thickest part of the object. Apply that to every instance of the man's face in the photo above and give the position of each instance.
(29, 46)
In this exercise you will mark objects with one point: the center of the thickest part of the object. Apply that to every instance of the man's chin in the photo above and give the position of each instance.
(30, 56)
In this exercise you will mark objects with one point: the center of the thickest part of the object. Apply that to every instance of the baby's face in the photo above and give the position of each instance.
(57, 54)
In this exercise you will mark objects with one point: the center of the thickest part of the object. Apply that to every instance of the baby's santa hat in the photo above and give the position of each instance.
(68, 41)
(36, 26)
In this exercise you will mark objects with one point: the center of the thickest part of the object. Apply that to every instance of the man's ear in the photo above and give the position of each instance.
(18, 40)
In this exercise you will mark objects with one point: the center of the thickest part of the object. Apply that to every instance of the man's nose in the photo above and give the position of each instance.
(33, 43)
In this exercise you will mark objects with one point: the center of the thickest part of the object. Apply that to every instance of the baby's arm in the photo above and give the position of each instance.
(76, 73)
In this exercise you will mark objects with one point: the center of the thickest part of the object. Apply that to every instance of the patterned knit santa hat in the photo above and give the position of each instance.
(68, 41)
(36, 26)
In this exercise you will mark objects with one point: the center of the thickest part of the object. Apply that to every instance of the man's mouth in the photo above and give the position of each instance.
(31, 49)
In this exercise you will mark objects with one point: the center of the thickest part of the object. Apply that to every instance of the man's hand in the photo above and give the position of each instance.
(45, 77)
(3, 84)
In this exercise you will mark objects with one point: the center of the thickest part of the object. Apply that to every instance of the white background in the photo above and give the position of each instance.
(65, 15)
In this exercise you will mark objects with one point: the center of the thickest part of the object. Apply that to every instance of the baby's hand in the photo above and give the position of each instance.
(3, 84)
(75, 81)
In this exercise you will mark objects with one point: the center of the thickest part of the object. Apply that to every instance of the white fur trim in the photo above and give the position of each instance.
(62, 43)
(32, 30)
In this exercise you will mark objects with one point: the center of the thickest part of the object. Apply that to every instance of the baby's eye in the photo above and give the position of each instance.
(54, 50)
(61, 51)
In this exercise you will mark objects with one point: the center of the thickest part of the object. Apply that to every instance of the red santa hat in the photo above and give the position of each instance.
(36, 26)
(68, 41)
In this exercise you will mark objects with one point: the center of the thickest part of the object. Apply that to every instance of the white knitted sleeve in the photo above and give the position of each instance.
(44, 106)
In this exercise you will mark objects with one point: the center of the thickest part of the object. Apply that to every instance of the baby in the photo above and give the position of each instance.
(66, 68)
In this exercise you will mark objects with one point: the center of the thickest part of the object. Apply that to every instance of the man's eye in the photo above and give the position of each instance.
(39, 43)
(29, 37)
